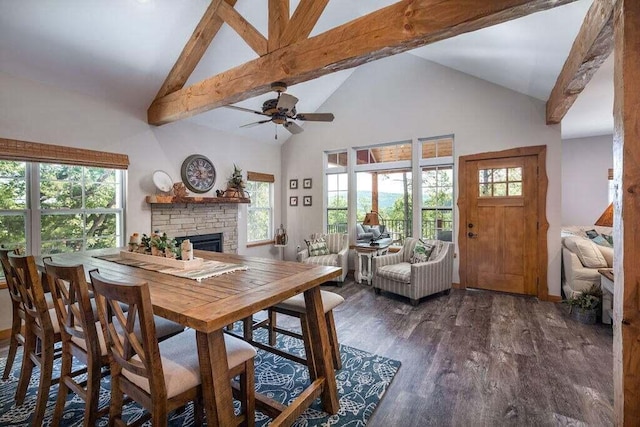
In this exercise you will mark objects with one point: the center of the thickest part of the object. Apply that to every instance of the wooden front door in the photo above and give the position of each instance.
(500, 224)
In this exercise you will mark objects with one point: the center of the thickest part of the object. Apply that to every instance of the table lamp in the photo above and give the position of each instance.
(606, 219)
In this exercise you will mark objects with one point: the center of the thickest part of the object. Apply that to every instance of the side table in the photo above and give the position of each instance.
(364, 253)
(606, 284)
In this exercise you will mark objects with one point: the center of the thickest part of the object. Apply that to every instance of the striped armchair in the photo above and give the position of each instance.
(394, 273)
(338, 245)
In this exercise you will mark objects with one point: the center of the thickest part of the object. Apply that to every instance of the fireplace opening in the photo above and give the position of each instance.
(207, 242)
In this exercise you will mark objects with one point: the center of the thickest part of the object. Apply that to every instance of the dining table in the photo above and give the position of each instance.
(209, 305)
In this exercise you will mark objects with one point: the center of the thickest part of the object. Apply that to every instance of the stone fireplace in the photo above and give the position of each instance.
(195, 219)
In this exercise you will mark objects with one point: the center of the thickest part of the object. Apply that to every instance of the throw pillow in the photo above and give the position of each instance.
(359, 229)
(376, 232)
(437, 248)
(600, 240)
(366, 228)
(608, 238)
(421, 252)
(317, 247)
(592, 234)
(587, 251)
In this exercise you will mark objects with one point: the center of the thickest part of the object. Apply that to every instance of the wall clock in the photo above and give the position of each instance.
(198, 173)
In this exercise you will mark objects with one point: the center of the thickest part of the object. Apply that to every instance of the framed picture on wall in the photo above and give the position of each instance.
(293, 184)
(293, 201)
(306, 201)
(306, 183)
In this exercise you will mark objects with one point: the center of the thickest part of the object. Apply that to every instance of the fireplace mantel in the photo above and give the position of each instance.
(168, 200)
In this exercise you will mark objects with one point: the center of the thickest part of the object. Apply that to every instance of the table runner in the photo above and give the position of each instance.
(206, 270)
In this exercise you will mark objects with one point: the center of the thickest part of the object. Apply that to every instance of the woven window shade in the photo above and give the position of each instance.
(260, 177)
(12, 149)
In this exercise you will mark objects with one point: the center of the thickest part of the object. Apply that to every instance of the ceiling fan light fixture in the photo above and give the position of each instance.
(279, 86)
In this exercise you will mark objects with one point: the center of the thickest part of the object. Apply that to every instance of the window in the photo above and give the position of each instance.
(337, 192)
(437, 201)
(260, 211)
(500, 182)
(65, 209)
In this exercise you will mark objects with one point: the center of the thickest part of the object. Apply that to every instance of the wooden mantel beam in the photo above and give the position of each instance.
(197, 45)
(591, 48)
(405, 25)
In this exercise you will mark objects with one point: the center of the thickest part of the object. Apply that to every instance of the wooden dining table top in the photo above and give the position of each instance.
(216, 302)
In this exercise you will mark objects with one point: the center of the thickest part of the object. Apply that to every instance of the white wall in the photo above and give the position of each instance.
(32, 111)
(405, 97)
(585, 186)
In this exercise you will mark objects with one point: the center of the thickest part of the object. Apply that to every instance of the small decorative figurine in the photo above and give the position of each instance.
(180, 190)
(281, 236)
(187, 250)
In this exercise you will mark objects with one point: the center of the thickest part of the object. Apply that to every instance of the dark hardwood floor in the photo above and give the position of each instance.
(478, 358)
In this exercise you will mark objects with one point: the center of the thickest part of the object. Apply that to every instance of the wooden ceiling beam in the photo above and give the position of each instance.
(405, 25)
(278, 21)
(590, 49)
(303, 20)
(249, 34)
(195, 48)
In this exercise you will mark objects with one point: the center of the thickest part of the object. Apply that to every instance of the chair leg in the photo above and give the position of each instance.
(306, 339)
(414, 302)
(46, 371)
(247, 328)
(159, 416)
(63, 389)
(115, 407)
(198, 410)
(16, 325)
(27, 367)
(272, 327)
(333, 340)
(94, 371)
(247, 394)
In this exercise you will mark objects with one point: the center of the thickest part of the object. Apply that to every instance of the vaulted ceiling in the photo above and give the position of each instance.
(122, 50)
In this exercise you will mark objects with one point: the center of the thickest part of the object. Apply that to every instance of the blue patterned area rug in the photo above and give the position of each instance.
(362, 382)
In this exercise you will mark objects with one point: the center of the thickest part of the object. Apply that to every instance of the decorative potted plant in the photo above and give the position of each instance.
(235, 183)
(584, 307)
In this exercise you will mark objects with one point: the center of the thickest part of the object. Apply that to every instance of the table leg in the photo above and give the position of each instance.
(216, 386)
(321, 349)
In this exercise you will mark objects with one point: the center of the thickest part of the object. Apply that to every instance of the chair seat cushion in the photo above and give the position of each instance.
(330, 260)
(330, 300)
(83, 345)
(180, 365)
(400, 272)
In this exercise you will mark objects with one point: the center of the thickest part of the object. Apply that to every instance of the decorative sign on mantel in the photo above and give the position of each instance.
(200, 200)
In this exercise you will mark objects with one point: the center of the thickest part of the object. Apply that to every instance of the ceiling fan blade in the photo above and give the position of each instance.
(286, 102)
(246, 110)
(315, 117)
(248, 125)
(293, 127)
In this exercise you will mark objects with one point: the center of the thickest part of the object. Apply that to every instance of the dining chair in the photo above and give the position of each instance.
(80, 339)
(163, 376)
(17, 312)
(41, 333)
(296, 307)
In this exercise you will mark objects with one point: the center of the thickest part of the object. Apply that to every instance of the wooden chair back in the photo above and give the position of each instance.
(119, 329)
(27, 279)
(14, 292)
(73, 305)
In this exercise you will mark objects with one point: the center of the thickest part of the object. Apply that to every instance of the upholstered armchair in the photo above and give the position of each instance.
(395, 273)
(338, 246)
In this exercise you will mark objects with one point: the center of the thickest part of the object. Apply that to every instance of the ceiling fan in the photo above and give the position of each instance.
(282, 111)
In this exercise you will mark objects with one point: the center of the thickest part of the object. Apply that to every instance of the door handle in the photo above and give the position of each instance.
(471, 235)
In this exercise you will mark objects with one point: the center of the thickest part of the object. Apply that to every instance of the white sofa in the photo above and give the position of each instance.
(582, 258)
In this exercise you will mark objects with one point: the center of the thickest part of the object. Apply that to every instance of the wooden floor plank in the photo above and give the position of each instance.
(477, 358)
